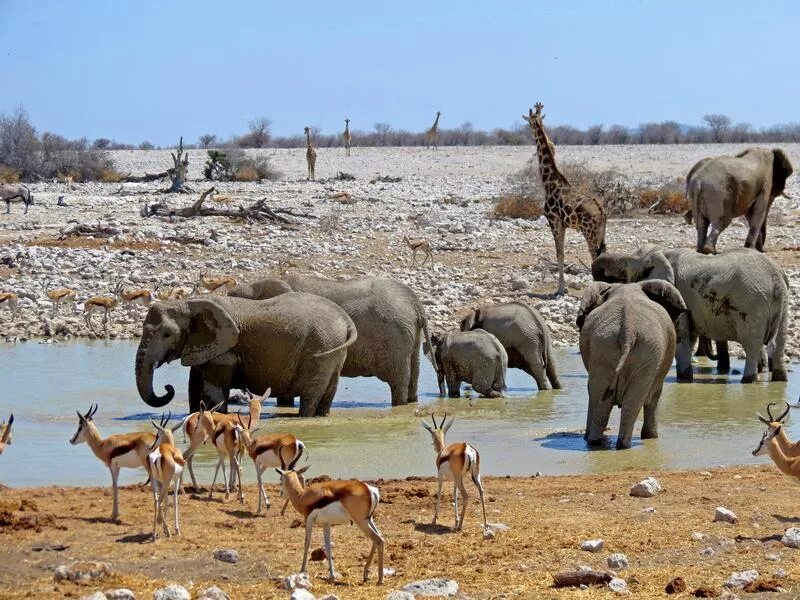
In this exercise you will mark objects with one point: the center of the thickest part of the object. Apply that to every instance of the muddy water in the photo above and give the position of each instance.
(704, 424)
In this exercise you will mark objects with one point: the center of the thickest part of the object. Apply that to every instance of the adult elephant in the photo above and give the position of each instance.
(295, 343)
(523, 333)
(722, 188)
(388, 316)
(627, 340)
(739, 295)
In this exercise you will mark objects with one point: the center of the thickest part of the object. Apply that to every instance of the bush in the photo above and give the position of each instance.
(515, 206)
(668, 198)
(110, 176)
(8, 175)
(246, 173)
(236, 165)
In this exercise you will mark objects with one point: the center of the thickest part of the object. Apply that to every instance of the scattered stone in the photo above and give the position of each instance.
(618, 585)
(724, 515)
(617, 561)
(172, 592)
(773, 557)
(432, 587)
(213, 593)
(707, 552)
(699, 537)
(95, 596)
(646, 488)
(704, 592)
(763, 585)
(82, 571)
(677, 585)
(780, 573)
(301, 594)
(791, 537)
(120, 594)
(227, 556)
(492, 529)
(317, 554)
(649, 510)
(298, 580)
(518, 284)
(400, 595)
(592, 545)
(389, 572)
(739, 579)
(705, 473)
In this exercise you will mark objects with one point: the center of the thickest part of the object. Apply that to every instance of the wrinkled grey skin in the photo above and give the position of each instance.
(723, 188)
(523, 333)
(475, 357)
(627, 340)
(15, 192)
(739, 295)
(295, 343)
(389, 318)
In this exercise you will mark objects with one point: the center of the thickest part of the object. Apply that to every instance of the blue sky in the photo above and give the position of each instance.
(154, 70)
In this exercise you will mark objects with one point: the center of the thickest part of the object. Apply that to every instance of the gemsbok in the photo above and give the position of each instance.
(455, 461)
(166, 468)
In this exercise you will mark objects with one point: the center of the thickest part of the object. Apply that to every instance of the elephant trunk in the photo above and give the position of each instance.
(144, 377)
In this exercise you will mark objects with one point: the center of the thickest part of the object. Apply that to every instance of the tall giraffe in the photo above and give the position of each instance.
(564, 206)
(311, 155)
(347, 137)
(432, 135)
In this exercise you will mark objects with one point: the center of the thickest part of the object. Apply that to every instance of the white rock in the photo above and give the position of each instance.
(95, 596)
(724, 515)
(228, 556)
(650, 510)
(740, 579)
(791, 537)
(213, 593)
(298, 580)
(120, 594)
(432, 587)
(172, 592)
(82, 571)
(707, 552)
(699, 537)
(592, 545)
(646, 488)
(618, 586)
(389, 571)
(773, 557)
(779, 574)
(400, 595)
(617, 561)
(518, 284)
(301, 594)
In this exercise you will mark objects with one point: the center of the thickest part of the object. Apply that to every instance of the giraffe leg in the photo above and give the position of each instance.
(558, 236)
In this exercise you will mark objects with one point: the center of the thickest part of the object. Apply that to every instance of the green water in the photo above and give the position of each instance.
(704, 424)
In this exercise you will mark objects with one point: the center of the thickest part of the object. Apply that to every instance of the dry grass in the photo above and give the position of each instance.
(668, 198)
(246, 173)
(514, 206)
(8, 175)
(110, 176)
(548, 517)
(84, 242)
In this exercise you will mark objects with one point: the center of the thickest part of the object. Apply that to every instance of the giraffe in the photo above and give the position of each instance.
(311, 155)
(564, 206)
(432, 135)
(347, 137)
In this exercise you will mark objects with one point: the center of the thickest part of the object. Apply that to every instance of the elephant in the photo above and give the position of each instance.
(627, 340)
(387, 314)
(523, 333)
(476, 357)
(295, 343)
(739, 295)
(722, 188)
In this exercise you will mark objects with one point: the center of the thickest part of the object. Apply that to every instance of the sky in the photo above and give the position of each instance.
(135, 70)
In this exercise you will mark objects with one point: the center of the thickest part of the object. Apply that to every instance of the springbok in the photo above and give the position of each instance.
(58, 296)
(129, 450)
(11, 300)
(775, 427)
(134, 297)
(272, 450)
(5, 433)
(221, 284)
(455, 461)
(198, 427)
(166, 468)
(334, 503)
(419, 245)
(227, 439)
(104, 303)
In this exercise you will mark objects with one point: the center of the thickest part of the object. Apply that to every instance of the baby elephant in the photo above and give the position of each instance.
(627, 341)
(476, 357)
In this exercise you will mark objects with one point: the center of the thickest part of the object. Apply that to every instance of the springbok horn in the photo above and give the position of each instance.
(769, 411)
(784, 413)
(763, 419)
(294, 462)
(444, 420)
(156, 425)
(433, 418)
(239, 416)
(80, 416)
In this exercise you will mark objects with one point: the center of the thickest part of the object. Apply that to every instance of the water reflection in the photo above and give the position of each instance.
(700, 425)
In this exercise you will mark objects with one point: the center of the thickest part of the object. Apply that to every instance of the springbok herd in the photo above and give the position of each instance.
(638, 313)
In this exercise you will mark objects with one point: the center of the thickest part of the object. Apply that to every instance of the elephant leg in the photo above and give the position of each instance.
(285, 400)
(752, 353)
(537, 371)
(683, 349)
(638, 389)
(650, 426)
(399, 383)
(757, 219)
(717, 227)
(701, 224)
(453, 382)
(195, 390)
(324, 405)
(217, 377)
(763, 360)
(723, 357)
(413, 378)
(600, 406)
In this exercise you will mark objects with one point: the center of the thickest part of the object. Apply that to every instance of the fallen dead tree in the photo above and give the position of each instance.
(578, 578)
(99, 230)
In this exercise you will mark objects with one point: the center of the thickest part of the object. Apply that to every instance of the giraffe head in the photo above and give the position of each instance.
(535, 118)
(306, 130)
(347, 121)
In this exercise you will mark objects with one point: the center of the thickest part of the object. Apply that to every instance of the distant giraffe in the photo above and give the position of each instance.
(432, 135)
(564, 206)
(346, 137)
(311, 155)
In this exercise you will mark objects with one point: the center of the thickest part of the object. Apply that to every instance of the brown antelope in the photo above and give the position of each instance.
(198, 427)
(5, 433)
(135, 297)
(164, 294)
(104, 303)
(166, 468)
(182, 292)
(58, 296)
(128, 450)
(221, 284)
(334, 503)
(273, 450)
(11, 300)
(419, 245)
(455, 461)
(775, 428)
(227, 439)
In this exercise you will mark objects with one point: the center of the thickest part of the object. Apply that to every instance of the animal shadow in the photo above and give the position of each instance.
(136, 538)
(240, 514)
(783, 519)
(431, 529)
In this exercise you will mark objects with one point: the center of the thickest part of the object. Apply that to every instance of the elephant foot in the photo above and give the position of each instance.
(454, 395)
(685, 376)
(709, 249)
(623, 444)
(649, 434)
(494, 394)
(285, 401)
(723, 370)
(749, 378)
(556, 384)
(597, 442)
(779, 375)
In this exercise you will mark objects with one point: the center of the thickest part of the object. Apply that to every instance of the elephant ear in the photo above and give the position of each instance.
(594, 296)
(654, 265)
(665, 294)
(781, 169)
(468, 322)
(212, 332)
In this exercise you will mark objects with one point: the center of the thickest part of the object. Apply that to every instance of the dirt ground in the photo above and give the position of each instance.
(548, 518)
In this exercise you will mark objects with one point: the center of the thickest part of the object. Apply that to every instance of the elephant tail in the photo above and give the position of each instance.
(550, 364)
(352, 336)
(423, 324)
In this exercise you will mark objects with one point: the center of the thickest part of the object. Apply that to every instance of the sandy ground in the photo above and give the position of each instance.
(548, 518)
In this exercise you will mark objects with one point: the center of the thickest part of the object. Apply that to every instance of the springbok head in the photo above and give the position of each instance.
(774, 428)
(439, 430)
(84, 424)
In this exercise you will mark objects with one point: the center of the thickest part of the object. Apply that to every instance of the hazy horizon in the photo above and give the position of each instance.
(142, 71)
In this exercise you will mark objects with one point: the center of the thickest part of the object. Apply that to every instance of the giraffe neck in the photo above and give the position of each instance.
(552, 179)
(308, 139)
(347, 128)
(435, 123)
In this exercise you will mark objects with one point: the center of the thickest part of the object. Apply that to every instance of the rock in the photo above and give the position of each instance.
(492, 529)
(707, 552)
(389, 572)
(617, 561)
(329, 597)
(618, 586)
(317, 554)
(213, 593)
(592, 545)
(518, 284)
(791, 537)
(120, 594)
(699, 537)
(95, 596)
(432, 587)
(773, 557)
(724, 515)
(301, 594)
(172, 592)
(400, 595)
(297, 581)
(780, 574)
(227, 556)
(646, 488)
(676, 586)
(649, 510)
(82, 571)
(740, 579)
